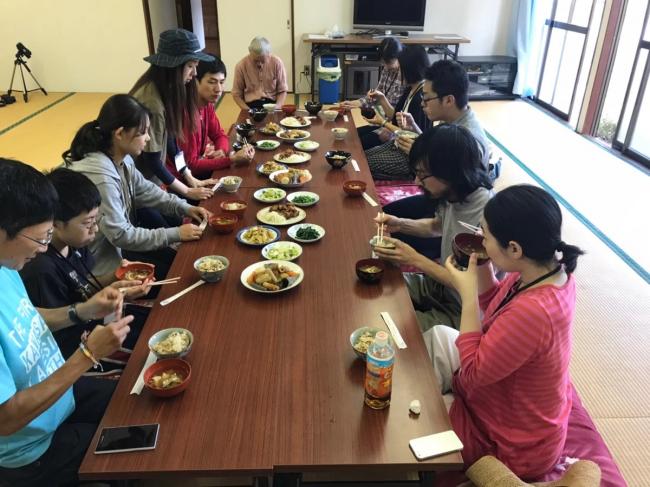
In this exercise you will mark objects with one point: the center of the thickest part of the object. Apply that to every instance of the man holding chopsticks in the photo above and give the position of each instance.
(62, 276)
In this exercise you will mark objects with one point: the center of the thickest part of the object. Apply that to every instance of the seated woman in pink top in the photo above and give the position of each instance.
(508, 366)
(260, 77)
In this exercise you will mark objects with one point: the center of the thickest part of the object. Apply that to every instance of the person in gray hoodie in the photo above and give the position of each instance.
(103, 150)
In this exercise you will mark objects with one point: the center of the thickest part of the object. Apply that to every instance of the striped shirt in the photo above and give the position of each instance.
(513, 390)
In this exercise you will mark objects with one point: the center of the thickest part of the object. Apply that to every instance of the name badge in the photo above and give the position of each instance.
(179, 160)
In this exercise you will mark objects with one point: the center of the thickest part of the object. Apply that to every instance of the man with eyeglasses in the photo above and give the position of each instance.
(48, 411)
(62, 275)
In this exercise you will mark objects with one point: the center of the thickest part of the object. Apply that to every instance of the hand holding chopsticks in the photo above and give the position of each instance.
(172, 280)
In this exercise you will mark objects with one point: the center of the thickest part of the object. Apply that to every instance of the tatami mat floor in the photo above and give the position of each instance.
(611, 337)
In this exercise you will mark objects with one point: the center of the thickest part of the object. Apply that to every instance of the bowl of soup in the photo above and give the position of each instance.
(245, 129)
(238, 207)
(257, 114)
(168, 377)
(313, 107)
(464, 244)
(224, 223)
(370, 271)
(135, 271)
(354, 188)
(337, 158)
(289, 109)
(368, 112)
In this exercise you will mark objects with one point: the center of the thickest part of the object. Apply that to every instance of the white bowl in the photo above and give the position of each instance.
(340, 133)
(230, 187)
(269, 107)
(330, 115)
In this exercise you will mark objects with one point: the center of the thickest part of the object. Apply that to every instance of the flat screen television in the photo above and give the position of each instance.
(389, 15)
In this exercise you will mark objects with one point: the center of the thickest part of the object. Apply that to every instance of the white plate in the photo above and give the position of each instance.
(275, 174)
(293, 123)
(303, 193)
(274, 143)
(264, 214)
(294, 229)
(290, 265)
(240, 235)
(281, 244)
(297, 158)
(259, 195)
(307, 145)
(305, 135)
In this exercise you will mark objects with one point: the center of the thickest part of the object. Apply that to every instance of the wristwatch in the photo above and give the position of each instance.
(72, 314)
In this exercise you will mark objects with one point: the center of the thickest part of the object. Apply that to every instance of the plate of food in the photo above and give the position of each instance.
(303, 198)
(306, 232)
(307, 145)
(293, 135)
(258, 235)
(295, 122)
(272, 276)
(269, 167)
(269, 195)
(291, 178)
(270, 128)
(282, 250)
(267, 144)
(291, 156)
(281, 214)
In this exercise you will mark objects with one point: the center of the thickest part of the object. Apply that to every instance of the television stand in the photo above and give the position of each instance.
(390, 33)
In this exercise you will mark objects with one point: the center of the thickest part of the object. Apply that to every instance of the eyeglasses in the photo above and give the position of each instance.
(45, 242)
(427, 100)
(422, 178)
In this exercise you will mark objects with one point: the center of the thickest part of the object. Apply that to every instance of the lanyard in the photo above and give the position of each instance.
(515, 289)
(96, 284)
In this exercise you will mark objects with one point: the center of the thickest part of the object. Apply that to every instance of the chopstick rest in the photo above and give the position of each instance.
(369, 199)
(392, 327)
(139, 382)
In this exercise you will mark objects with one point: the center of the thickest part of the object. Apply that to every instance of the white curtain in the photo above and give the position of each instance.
(528, 42)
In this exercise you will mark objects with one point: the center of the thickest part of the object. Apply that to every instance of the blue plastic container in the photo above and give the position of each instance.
(329, 78)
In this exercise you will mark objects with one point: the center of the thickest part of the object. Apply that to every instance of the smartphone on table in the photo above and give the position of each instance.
(435, 445)
(127, 438)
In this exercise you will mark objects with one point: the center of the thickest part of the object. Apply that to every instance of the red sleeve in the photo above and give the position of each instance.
(204, 166)
(216, 133)
(513, 337)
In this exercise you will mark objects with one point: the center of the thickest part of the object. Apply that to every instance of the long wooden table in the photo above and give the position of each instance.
(275, 385)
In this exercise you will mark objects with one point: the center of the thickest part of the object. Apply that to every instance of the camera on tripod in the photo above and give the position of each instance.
(22, 51)
(22, 55)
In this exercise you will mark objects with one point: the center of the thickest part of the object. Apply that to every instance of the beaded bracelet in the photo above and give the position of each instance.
(86, 351)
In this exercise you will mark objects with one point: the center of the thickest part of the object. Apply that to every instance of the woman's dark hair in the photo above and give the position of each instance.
(450, 153)
(531, 217)
(180, 99)
(389, 49)
(97, 135)
(26, 197)
(77, 193)
(413, 62)
(449, 78)
(212, 67)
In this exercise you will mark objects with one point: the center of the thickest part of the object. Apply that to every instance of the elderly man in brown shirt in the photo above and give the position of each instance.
(260, 77)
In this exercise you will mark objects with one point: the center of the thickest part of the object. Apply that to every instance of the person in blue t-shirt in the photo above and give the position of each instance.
(48, 412)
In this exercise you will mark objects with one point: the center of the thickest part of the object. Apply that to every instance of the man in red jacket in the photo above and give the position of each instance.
(207, 149)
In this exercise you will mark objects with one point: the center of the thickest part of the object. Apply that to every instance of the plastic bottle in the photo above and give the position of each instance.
(379, 372)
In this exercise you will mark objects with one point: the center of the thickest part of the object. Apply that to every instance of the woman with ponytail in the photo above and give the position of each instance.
(103, 150)
(508, 366)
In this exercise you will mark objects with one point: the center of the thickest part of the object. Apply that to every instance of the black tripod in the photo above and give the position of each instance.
(19, 63)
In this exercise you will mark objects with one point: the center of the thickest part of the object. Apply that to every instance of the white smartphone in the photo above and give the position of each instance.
(127, 438)
(435, 445)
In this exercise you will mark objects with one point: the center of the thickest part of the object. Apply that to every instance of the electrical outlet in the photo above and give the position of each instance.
(306, 69)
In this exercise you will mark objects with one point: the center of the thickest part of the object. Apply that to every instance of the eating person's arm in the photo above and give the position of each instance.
(25, 405)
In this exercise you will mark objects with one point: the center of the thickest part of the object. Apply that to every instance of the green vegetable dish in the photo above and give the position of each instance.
(267, 145)
(307, 233)
(303, 199)
(272, 194)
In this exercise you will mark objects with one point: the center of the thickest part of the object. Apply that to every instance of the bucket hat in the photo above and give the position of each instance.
(176, 47)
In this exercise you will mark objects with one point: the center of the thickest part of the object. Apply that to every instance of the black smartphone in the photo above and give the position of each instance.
(127, 438)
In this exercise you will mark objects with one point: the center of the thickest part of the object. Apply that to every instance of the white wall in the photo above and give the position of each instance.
(77, 45)
(163, 17)
(487, 24)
